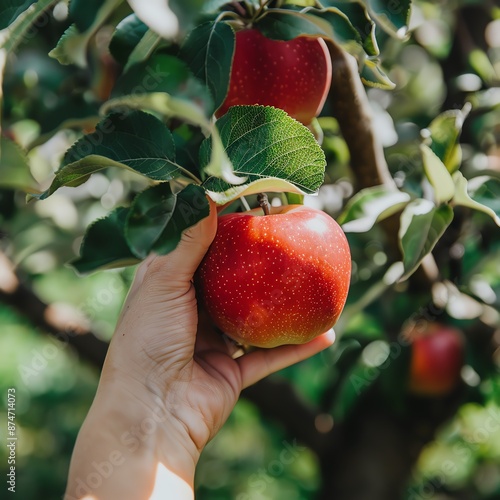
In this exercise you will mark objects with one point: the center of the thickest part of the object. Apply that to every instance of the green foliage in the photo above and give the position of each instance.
(72, 46)
(11, 9)
(208, 51)
(127, 35)
(16, 173)
(273, 151)
(422, 224)
(124, 147)
(104, 245)
(371, 205)
(163, 74)
(136, 141)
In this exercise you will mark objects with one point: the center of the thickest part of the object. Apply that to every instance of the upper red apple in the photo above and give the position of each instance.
(275, 279)
(291, 75)
(436, 360)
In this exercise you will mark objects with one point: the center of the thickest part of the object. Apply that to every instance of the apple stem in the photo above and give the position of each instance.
(264, 203)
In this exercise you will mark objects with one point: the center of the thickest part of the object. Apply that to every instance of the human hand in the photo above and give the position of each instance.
(168, 360)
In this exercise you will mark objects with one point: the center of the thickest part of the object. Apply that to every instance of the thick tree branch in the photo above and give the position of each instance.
(352, 110)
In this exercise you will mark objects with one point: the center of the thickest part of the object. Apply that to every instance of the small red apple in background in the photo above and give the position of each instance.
(436, 360)
(275, 279)
(291, 75)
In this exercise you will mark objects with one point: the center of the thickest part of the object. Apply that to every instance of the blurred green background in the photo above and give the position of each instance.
(452, 57)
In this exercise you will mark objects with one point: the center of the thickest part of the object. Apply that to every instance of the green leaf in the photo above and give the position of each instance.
(104, 245)
(144, 48)
(11, 9)
(14, 167)
(84, 12)
(215, 5)
(127, 35)
(191, 206)
(163, 73)
(438, 175)
(393, 17)
(18, 30)
(208, 51)
(422, 225)
(137, 141)
(274, 152)
(463, 198)
(148, 216)
(373, 76)
(72, 46)
(332, 24)
(444, 132)
(359, 18)
(169, 106)
(482, 65)
(369, 206)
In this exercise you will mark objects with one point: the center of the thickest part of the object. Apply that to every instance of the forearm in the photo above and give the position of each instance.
(129, 448)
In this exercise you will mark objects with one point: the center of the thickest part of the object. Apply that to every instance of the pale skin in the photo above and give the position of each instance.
(168, 384)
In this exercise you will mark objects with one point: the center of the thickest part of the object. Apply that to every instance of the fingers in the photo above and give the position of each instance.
(261, 363)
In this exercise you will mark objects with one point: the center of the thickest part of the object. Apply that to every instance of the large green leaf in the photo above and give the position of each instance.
(127, 35)
(273, 151)
(191, 206)
(72, 46)
(104, 245)
(158, 217)
(137, 141)
(163, 73)
(148, 216)
(463, 198)
(168, 106)
(438, 175)
(392, 16)
(14, 167)
(422, 225)
(444, 132)
(18, 29)
(208, 51)
(331, 23)
(369, 206)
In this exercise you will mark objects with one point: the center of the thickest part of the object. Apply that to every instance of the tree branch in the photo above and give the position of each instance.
(352, 110)
(21, 298)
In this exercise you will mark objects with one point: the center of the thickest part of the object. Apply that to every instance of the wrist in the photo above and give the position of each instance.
(143, 424)
(129, 445)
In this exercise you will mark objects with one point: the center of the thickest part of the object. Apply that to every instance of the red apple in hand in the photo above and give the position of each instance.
(275, 279)
(291, 75)
(436, 360)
